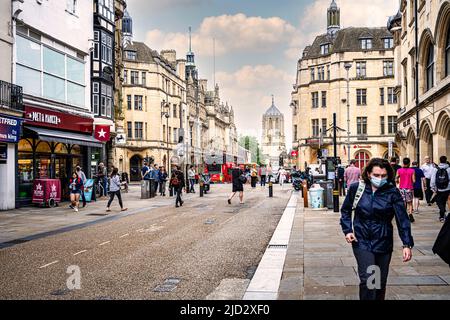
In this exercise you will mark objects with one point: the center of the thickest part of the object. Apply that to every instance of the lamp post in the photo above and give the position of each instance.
(347, 67)
(166, 114)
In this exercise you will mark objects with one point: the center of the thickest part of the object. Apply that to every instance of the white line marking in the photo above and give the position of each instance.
(125, 235)
(49, 264)
(83, 251)
(102, 244)
(140, 230)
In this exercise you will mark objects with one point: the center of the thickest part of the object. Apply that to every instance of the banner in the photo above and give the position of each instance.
(45, 189)
(88, 189)
(10, 129)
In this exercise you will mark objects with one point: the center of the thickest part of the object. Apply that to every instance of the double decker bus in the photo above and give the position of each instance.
(219, 173)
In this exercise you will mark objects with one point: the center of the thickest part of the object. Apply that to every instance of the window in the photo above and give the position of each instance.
(361, 125)
(381, 96)
(392, 124)
(361, 97)
(382, 125)
(106, 101)
(324, 127)
(129, 102)
(96, 53)
(72, 6)
(175, 138)
(313, 72)
(107, 50)
(144, 80)
(134, 77)
(191, 136)
(164, 132)
(361, 69)
(125, 77)
(324, 99)
(138, 103)
(366, 44)
(325, 48)
(138, 134)
(175, 111)
(130, 55)
(315, 99)
(388, 68)
(106, 9)
(95, 103)
(130, 129)
(430, 67)
(315, 127)
(295, 132)
(388, 43)
(321, 73)
(362, 159)
(392, 97)
(447, 52)
(328, 72)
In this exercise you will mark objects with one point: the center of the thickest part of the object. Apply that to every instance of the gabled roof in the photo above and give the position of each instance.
(273, 111)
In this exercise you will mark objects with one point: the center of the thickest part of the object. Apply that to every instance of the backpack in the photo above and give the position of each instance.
(358, 196)
(442, 178)
(175, 181)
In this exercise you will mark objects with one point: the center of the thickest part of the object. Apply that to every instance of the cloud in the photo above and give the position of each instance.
(165, 4)
(233, 33)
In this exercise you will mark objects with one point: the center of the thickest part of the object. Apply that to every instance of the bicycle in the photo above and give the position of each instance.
(99, 189)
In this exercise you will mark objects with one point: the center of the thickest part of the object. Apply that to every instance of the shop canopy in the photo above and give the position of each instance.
(64, 137)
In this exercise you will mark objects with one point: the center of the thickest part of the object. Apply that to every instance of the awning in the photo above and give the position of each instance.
(64, 137)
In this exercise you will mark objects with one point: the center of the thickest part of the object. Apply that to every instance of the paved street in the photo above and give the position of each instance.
(155, 247)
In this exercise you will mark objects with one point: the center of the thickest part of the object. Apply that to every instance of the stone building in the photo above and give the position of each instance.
(273, 138)
(369, 123)
(432, 135)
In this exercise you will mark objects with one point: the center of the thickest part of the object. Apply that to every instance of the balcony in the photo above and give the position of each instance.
(11, 96)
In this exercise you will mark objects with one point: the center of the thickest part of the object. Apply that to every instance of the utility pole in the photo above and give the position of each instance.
(416, 23)
(347, 67)
(336, 179)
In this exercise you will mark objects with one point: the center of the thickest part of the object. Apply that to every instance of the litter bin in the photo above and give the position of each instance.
(145, 189)
(152, 187)
(316, 196)
(328, 193)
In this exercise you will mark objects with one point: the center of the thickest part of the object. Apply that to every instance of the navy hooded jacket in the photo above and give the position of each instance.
(373, 218)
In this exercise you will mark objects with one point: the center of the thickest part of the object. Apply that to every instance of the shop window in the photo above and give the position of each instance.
(362, 159)
(60, 148)
(43, 147)
(25, 146)
(75, 149)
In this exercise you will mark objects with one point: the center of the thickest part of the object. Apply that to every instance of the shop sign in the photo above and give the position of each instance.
(121, 139)
(10, 129)
(54, 119)
(362, 147)
(46, 189)
(102, 133)
(3, 153)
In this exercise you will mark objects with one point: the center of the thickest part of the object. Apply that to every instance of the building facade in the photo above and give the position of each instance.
(367, 119)
(430, 131)
(273, 138)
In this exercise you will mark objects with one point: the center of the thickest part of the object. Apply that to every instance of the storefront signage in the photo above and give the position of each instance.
(54, 119)
(3, 153)
(10, 129)
(46, 189)
(362, 147)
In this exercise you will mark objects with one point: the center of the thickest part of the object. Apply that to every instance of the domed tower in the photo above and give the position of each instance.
(333, 19)
(127, 28)
(273, 139)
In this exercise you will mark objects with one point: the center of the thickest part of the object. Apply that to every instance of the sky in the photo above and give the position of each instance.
(257, 44)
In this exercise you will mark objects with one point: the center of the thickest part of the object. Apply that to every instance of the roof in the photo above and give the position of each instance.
(348, 40)
(273, 111)
(143, 52)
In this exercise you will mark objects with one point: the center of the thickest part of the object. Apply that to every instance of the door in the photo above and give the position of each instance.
(135, 168)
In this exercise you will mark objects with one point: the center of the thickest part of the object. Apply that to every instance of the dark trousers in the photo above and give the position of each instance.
(263, 180)
(428, 192)
(178, 192)
(365, 260)
(341, 188)
(191, 185)
(441, 201)
(104, 181)
(111, 198)
(253, 181)
(83, 198)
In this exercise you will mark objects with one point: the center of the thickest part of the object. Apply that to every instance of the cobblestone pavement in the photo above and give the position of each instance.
(320, 264)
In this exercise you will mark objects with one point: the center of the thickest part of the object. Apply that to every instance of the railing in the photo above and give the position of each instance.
(11, 96)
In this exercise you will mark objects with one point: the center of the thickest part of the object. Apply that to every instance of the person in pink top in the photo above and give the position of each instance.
(352, 174)
(406, 177)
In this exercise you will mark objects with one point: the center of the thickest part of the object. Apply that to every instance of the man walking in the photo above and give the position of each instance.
(191, 177)
(406, 177)
(82, 176)
(341, 173)
(428, 169)
(262, 175)
(352, 174)
(440, 184)
(155, 176)
(177, 183)
(102, 177)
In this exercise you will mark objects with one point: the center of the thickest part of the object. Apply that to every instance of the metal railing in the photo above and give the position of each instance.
(11, 96)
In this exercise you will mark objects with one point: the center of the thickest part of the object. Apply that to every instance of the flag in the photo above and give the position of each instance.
(102, 133)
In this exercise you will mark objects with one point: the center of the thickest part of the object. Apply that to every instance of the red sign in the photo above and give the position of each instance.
(46, 189)
(59, 120)
(102, 133)
(294, 154)
(362, 147)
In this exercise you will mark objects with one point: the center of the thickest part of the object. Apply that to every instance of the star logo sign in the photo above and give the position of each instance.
(53, 188)
(38, 187)
(102, 134)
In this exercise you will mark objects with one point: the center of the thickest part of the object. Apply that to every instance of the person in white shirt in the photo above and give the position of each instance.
(282, 174)
(428, 169)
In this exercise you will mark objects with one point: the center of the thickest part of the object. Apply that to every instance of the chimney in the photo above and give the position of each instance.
(204, 84)
(169, 55)
(181, 68)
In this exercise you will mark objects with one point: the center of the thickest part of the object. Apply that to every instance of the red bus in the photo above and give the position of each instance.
(219, 173)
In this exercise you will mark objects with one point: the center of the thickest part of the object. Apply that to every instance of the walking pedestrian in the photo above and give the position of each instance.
(102, 176)
(155, 176)
(145, 171)
(82, 176)
(178, 184)
(428, 169)
(419, 186)
(352, 174)
(440, 184)
(366, 220)
(191, 178)
(395, 165)
(75, 185)
(405, 179)
(114, 190)
(162, 181)
(253, 176)
(263, 175)
(341, 174)
(238, 179)
(269, 173)
(282, 176)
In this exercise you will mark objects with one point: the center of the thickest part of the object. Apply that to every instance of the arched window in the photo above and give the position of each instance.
(430, 67)
(362, 159)
(447, 52)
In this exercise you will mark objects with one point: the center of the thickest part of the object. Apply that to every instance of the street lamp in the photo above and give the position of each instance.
(347, 67)
(166, 113)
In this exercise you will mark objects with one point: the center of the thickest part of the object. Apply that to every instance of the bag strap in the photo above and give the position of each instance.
(358, 196)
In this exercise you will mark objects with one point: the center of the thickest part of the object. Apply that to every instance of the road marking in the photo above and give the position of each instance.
(140, 230)
(49, 264)
(102, 244)
(83, 251)
(125, 235)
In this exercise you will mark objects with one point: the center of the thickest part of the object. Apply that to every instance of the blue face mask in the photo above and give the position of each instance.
(378, 182)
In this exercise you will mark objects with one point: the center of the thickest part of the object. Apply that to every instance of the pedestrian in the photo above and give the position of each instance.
(238, 179)
(282, 176)
(75, 185)
(419, 186)
(366, 220)
(263, 175)
(405, 180)
(341, 174)
(191, 178)
(114, 190)
(427, 169)
(82, 176)
(102, 176)
(440, 184)
(269, 173)
(395, 165)
(253, 176)
(352, 174)
(178, 184)
(145, 171)
(155, 176)
(162, 181)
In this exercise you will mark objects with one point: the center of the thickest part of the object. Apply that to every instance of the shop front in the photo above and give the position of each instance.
(53, 143)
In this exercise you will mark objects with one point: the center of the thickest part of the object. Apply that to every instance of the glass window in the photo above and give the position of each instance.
(362, 159)
(108, 107)
(315, 127)
(54, 88)
(75, 94)
(366, 44)
(392, 97)
(95, 103)
(138, 130)
(29, 80)
(324, 127)
(361, 97)
(129, 102)
(325, 49)
(361, 125)
(324, 99)
(388, 68)
(430, 67)
(313, 74)
(447, 52)
(138, 103)
(75, 70)
(103, 106)
(130, 129)
(144, 80)
(315, 99)
(95, 87)
(361, 69)
(28, 52)
(382, 125)
(392, 124)
(54, 62)
(381, 96)
(134, 77)
(125, 76)
(388, 43)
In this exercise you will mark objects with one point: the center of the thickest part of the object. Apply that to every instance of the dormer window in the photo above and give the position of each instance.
(366, 44)
(325, 48)
(388, 43)
(130, 55)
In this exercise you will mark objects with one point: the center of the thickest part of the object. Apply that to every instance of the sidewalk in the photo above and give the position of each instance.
(320, 265)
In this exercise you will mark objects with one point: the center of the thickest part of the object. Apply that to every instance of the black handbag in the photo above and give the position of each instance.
(442, 245)
(242, 178)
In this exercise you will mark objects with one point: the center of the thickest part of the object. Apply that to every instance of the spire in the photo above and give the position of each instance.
(273, 100)
(191, 69)
(333, 19)
(190, 39)
(127, 28)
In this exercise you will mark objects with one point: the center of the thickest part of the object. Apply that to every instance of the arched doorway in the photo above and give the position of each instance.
(443, 134)
(411, 144)
(135, 168)
(362, 159)
(426, 141)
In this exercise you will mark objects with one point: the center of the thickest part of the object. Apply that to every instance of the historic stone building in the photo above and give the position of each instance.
(433, 130)
(273, 138)
(321, 90)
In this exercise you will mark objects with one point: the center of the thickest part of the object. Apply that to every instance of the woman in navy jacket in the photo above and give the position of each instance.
(371, 232)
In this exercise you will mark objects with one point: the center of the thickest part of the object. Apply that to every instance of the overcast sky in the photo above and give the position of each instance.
(258, 43)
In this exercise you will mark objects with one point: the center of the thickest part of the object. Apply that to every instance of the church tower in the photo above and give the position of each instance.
(273, 138)
(333, 19)
(191, 68)
(127, 29)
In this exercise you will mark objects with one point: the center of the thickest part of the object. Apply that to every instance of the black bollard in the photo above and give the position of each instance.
(270, 189)
(201, 189)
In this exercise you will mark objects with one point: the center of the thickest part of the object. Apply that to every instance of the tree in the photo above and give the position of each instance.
(251, 143)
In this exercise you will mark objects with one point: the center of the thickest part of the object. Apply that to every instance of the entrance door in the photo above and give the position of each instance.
(362, 158)
(135, 168)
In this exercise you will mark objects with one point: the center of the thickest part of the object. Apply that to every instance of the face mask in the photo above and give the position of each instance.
(378, 182)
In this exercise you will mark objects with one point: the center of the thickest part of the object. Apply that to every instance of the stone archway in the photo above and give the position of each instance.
(410, 144)
(426, 140)
(135, 168)
(443, 134)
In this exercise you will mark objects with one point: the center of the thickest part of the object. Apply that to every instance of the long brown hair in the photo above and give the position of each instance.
(381, 163)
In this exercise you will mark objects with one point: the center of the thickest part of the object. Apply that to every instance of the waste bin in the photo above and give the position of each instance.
(152, 187)
(316, 195)
(145, 189)
(328, 193)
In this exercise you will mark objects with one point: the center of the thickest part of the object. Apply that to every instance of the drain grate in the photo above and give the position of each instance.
(210, 221)
(250, 272)
(277, 246)
(169, 285)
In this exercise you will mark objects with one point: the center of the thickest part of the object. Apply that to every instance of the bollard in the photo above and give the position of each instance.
(305, 194)
(270, 189)
(201, 189)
